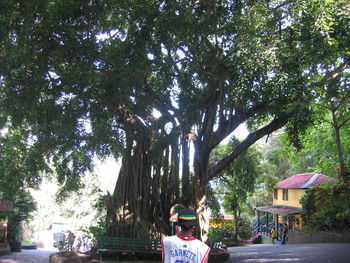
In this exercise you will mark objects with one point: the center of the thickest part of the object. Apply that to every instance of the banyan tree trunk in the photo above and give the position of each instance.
(200, 182)
(147, 187)
(133, 193)
(149, 184)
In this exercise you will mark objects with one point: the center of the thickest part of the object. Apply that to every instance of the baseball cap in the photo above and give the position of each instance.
(187, 217)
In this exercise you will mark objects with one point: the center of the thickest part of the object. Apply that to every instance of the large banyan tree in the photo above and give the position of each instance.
(159, 84)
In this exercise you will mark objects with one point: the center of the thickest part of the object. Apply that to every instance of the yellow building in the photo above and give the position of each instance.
(286, 206)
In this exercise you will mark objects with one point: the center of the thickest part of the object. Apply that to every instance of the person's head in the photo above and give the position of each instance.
(187, 218)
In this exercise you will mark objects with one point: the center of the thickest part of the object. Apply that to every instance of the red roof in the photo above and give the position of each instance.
(302, 181)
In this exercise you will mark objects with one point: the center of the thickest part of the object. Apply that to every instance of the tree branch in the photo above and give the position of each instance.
(333, 74)
(251, 139)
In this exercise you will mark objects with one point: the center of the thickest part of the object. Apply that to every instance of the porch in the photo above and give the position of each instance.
(277, 216)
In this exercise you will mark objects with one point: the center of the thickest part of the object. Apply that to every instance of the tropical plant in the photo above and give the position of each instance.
(15, 175)
(23, 207)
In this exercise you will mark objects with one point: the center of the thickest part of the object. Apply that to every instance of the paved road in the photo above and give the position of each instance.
(28, 256)
(303, 253)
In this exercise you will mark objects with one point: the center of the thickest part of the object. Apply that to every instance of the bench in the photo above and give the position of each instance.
(129, 246)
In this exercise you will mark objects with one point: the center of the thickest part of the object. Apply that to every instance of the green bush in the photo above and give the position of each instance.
(245, 231)
(94, 233)
(327, 208)
(219, 231)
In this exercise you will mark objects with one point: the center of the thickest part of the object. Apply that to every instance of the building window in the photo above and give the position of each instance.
(275, 194)
(285, 194)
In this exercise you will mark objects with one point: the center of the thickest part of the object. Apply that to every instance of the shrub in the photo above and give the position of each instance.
(327, 208)
(219, 231)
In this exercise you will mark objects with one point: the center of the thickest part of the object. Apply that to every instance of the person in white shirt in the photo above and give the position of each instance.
(184, 247)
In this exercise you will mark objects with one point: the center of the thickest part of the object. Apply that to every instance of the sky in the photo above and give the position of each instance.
(107, 171)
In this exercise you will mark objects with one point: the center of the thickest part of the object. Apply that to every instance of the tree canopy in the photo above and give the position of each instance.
(144, 80)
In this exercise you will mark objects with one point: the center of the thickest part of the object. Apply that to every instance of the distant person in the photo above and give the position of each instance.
(184, 247)
(71, 239)
(86, 242)
(274, 235)
(284, 238)
(78, 244)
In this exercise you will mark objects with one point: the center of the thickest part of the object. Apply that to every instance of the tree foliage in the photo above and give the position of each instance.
(19, 166)
(333, 109)
(319, 152)
(325, 146)
(134, 78)
(237, 182)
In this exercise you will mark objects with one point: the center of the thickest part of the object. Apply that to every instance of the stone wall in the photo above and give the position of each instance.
(299, 237)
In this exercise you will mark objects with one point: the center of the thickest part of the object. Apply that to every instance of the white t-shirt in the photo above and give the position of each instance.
(179, 249)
